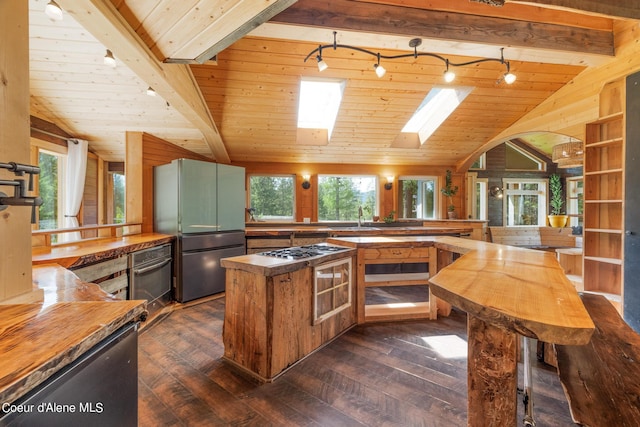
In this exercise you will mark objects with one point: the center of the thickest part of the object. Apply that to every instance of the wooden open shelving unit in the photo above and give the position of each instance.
(604, 159)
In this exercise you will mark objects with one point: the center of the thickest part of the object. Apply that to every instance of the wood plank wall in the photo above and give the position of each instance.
(154, 151)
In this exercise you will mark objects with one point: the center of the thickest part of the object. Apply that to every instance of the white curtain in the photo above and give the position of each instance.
(75, 171)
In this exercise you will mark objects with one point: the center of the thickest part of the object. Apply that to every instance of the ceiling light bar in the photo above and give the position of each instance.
(449, 75)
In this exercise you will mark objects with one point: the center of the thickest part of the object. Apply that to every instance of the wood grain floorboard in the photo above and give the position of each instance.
(381, 374)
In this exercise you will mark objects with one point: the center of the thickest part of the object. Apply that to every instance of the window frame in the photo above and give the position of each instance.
(293, 196)
(60, 152)
(573, 202)
(542, 164)
(542, 194)
(436, 194)
(376, 203)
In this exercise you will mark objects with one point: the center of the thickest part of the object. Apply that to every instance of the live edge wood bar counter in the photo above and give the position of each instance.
(507, 292)
(41, 339)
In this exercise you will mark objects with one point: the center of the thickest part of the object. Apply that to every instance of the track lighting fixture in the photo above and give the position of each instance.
(449, 75)
(109, 59)
(53, 11)
(150, 91)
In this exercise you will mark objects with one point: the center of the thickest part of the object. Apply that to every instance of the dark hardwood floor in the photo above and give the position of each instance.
(383, 374)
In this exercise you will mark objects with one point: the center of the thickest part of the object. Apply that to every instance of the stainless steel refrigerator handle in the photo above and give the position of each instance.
(152, 267)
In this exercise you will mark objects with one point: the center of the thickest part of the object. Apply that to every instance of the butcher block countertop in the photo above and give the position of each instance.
(521, 290)
(39, 339)
(90, 251)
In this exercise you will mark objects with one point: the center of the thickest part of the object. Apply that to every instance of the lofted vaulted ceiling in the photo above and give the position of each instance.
(228, 72)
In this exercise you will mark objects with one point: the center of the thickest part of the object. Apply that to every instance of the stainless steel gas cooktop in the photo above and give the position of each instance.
(300, 252)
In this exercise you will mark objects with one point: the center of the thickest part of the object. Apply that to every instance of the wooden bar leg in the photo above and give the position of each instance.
(492, 375)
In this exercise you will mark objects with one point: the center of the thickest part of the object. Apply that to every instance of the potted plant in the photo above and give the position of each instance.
(556, 218)
(449, 190)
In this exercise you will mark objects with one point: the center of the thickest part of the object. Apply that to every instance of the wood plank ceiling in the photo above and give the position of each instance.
(244, 107)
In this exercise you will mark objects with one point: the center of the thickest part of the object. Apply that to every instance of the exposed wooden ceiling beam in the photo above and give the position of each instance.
(618, 8)
(231, 27)
(174, 82)
(430, 24)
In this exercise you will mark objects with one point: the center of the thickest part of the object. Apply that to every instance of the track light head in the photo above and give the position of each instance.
(53, 11)
(380, 71)
(321, 64)
(109, 59)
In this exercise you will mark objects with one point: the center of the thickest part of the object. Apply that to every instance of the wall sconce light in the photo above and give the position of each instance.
(151, 91)
(389, 184)
(305, 183)
(495, 192)
(109, 59)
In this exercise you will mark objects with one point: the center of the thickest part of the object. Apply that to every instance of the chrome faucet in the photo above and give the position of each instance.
(359, 216)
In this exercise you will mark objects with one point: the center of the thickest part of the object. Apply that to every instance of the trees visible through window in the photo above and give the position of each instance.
(417, 197)
(525, 202)
(49, 189)
(118, 198)
(340, 197)
(272, 197)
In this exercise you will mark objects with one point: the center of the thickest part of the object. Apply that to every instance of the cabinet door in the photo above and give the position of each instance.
(231, 198)
(197, 196)
(631, 293)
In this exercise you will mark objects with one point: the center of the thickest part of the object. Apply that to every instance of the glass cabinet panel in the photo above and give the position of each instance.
(331, 289)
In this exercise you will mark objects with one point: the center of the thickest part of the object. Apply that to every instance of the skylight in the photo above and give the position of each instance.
(439, 103)
(319, 104)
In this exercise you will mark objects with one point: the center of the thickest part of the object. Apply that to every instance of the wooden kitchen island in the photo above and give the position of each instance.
(508, 292)
(277, 311)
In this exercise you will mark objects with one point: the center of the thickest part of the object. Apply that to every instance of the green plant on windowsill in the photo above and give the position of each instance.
(449, 190)
(556, 217)
(389, 218)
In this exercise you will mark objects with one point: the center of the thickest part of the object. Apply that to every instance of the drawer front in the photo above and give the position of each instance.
(397, 254)
(102, 269)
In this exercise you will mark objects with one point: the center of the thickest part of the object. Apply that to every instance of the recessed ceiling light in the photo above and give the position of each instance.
(53, 11)
(109, 59)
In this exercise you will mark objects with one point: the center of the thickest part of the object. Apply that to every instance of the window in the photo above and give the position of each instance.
(319, 104)
(477, 200)
(525, 202)
(272, 197)
(118, 181)
(339, 197)
(439, 103)
(575, 200)
(519, 159)
(417, 197)
(480, 163)
(50, 189)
